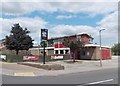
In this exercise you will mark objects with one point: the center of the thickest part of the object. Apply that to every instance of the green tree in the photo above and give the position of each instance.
(74, 46)
(73, 49)
(67, 42)
(18, 39)
(42, 44)
(116, 49)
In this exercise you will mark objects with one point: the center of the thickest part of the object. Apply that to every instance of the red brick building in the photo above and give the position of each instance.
(58, 42)
(60, 48)
(56, 47)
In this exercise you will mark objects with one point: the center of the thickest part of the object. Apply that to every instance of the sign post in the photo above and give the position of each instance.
(44, 37)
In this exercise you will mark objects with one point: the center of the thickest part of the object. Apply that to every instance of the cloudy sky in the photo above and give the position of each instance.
(62, 18)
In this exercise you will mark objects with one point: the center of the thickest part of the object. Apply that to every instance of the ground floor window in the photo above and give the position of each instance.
(56, 51)
(64, 51)
(61, 52)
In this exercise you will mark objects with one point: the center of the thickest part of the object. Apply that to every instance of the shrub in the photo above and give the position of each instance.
(48, 58)
(14, 58)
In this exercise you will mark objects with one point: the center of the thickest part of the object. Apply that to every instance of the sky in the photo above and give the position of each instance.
(62, 18)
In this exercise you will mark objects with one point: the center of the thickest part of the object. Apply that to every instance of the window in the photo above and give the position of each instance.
(56, 51)
(61, 52)
(66, 51)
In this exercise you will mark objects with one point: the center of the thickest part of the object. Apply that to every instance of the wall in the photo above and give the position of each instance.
(85, 39)
(106, 53)
(88, 53)
(35, 52)
(50, 52)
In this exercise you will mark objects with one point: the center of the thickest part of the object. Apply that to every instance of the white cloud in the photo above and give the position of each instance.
(103, 8)
(65, 16)
(109, 36)
(60, 0)
(21, 8)
(63, 30)
(110, 23)
(34, 25)
(92, 8)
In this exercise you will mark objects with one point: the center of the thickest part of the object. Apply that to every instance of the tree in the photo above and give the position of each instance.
(73, 49)
(42, 43)
(116, 49)
(67, 42)
(76, 46)
(18, 39)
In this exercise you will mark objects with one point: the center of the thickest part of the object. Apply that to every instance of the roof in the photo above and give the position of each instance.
(95, 45)
(41, 48)
(71, 36)
(86, 35)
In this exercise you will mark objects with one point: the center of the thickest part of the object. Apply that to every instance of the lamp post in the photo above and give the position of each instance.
(100, 47)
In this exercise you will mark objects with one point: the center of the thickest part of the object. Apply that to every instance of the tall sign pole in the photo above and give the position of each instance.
(44, 37)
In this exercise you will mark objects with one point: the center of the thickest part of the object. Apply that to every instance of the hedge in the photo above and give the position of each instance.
(19, 58)
(14, 58)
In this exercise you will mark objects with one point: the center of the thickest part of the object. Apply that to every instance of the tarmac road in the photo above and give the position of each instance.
(107, 76)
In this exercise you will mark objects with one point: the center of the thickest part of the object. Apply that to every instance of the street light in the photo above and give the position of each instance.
(100, 47)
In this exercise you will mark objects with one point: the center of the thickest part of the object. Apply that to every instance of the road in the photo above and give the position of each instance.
(107, 76)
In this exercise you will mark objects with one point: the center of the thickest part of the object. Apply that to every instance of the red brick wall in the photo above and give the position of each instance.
(85, 39)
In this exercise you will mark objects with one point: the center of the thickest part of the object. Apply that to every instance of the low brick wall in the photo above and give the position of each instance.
(43, 66)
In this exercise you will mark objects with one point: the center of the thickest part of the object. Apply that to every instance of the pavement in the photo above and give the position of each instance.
(14, 69)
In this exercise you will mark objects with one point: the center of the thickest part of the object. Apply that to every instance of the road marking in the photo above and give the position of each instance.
(24, 74)
(98, 82)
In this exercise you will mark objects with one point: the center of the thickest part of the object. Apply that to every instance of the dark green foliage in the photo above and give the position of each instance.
(77, 45)
(18, 39)
(74, 47)
(14, 58)
(116, 49)
(48, 58)
(42, 43)
(80, 45)
(67, 42)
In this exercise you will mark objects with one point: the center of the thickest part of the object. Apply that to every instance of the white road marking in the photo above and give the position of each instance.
(98, 82)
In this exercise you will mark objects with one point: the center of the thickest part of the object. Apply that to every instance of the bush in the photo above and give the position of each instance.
(48, 58)
(18, 58)
(14, 58)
